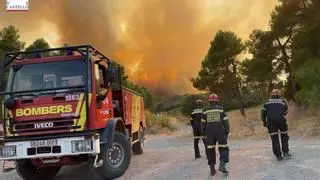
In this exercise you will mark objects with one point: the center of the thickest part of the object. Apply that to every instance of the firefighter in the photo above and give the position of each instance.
(217, 130)
(272, 115)
(198, 127)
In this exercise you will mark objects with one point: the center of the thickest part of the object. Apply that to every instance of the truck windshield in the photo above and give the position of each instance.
(42, 76)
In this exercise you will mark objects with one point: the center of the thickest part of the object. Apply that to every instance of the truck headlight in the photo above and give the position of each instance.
(82, 146)
(8, 151)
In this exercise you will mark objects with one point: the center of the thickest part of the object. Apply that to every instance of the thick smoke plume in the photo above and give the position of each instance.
(160, 42)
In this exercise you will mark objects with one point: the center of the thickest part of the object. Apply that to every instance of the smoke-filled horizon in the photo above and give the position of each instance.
(161, 43)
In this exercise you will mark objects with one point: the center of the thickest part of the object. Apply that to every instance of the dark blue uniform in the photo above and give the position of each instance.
(217, 130)
(198, 129)
(272, 114)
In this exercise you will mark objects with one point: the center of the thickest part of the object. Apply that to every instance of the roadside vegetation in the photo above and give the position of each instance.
(163, 123)
(286, 56)
(301, 123)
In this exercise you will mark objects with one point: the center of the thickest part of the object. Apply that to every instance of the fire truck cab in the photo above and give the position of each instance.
(61, 108)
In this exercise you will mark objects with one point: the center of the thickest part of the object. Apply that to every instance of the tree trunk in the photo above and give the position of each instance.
(263, 87)
(285, 59)
(239, 96)
(291, 83)
(291, 88)
(240, 100)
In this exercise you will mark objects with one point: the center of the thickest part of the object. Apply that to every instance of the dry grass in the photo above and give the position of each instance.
(249, 127)
(164, 124)
(303, 123)
(300, 122)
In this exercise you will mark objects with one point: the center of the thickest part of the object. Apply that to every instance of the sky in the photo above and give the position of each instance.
(161, 43)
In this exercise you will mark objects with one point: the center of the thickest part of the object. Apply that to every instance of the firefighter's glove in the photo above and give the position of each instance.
(226, 133)
(191, 122)
(265, 124)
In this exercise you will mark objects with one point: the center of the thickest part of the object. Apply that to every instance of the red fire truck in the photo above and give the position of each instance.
(61, 107)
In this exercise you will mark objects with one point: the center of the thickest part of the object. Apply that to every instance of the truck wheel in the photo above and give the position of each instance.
(137, 147)
(28, 171)
(116, 160)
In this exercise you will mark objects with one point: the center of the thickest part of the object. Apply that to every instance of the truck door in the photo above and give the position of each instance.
(104, 109)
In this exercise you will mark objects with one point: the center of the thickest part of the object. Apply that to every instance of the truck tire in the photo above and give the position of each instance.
(116, 160)
(138, 147)
(28, 171)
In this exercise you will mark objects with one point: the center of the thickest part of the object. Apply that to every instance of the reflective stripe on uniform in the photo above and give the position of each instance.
(198, 137)
(272, 134)
(203, 120)
(219, 146)
(284, 132)
(213, 110)
(196, 111)
(225, 118)
(275, 101)
(222, 145)
(263, 108)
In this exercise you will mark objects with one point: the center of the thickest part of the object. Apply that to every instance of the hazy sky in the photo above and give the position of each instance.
(160, 42)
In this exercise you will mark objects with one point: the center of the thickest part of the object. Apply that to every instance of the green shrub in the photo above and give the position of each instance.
(175, 111)
(250, 100)
(159, 124)
(308, 77)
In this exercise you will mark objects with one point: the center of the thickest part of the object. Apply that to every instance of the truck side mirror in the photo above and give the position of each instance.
(9, 102)
(16, 67)
(110, 75)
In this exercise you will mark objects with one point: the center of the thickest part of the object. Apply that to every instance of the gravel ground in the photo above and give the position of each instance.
(171, 157)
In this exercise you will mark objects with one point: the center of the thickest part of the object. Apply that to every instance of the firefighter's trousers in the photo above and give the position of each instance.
(274, 126)
(216, 137)
(198, 133)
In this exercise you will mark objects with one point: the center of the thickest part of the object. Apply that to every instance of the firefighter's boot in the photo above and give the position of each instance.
(197, 156)
(222, 167)
(279, 158)
(287, 155)
(212, 170)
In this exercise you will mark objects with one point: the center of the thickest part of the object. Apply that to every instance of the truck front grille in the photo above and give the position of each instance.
(45, 126)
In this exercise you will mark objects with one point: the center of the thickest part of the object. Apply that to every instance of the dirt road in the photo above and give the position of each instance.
(171, 157)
